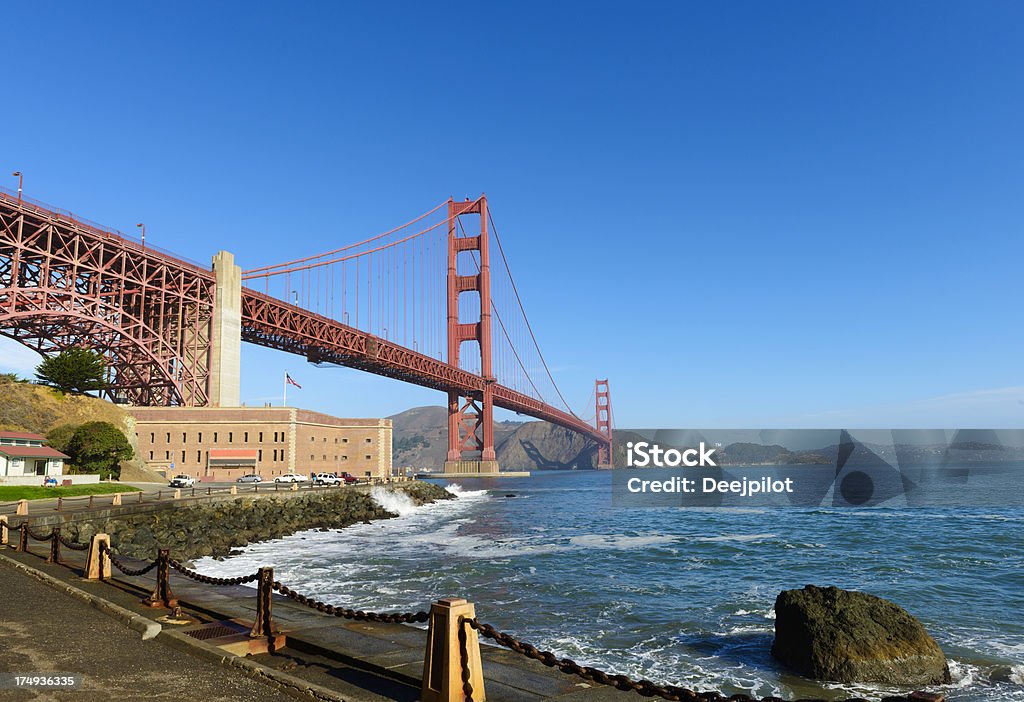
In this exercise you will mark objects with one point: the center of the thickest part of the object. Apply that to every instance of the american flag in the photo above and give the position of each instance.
(288, 379)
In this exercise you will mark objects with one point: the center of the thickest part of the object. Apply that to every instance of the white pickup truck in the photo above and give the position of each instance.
(183, 481)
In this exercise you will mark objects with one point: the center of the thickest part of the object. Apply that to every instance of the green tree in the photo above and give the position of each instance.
(99, 447)
(73, 370)
(60, 437)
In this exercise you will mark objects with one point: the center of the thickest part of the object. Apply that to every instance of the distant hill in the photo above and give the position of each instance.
(40, 410)
(420, 437)
(742, 453)
(420, 440)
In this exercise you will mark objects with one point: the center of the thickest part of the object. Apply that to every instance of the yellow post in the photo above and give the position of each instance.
(22, 508)
(3, 530)
(117, 500)
(442, 663)
(98, 562)
(177, 494)
(234, 489)
(295, 487)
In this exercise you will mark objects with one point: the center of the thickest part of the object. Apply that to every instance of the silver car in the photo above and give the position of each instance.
(251, 478)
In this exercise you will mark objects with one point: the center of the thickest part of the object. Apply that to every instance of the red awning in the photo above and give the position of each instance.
(233, 453)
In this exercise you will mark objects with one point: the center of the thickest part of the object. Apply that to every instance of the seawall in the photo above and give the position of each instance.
(214, 529)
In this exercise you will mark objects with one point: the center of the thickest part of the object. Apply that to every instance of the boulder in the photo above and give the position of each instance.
(827, 633)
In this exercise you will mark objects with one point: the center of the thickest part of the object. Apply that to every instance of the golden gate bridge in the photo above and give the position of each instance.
(427, 302)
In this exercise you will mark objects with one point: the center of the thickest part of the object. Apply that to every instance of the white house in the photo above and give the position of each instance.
(25, 459)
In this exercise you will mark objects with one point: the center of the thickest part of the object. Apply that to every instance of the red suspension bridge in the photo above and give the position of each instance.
(427, 303)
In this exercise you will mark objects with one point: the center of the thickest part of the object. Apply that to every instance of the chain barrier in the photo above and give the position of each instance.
(33, 535)
(210, 580)
(467, 688)
(73, 545)
(131, 572)
(358, 615)
(645, 688)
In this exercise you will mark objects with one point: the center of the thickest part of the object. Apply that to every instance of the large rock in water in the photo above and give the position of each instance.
(831, 634)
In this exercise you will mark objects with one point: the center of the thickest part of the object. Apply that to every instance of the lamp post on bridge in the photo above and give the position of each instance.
(142, 226)
(20, 177)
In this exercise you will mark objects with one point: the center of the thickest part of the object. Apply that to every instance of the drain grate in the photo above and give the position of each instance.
(213, 631)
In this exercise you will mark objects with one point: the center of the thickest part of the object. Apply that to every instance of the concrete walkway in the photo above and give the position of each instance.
(356, 661)
(45, 631)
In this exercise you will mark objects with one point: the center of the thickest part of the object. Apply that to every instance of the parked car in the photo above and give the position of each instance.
(290, 478)
(251, 478)
(326, 479)
(348, 478)
(183, 481)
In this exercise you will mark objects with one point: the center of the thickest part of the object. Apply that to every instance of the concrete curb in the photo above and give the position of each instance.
(289, 683)
(147, 628)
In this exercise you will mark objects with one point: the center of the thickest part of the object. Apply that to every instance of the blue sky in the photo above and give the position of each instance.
(743, 214)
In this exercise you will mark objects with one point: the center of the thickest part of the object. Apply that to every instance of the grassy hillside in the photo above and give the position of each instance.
(39, 409)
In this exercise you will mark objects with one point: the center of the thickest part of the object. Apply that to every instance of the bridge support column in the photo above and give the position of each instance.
(470, 419)
(226, 333)
(603, 408)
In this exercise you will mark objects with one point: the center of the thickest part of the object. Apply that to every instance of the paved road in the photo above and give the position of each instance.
(46, 631)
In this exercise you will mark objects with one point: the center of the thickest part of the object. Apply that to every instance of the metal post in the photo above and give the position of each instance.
(54, 556)
(264, 625)
(162, 595)
(60, 503)
(90, 500)
(23, 538)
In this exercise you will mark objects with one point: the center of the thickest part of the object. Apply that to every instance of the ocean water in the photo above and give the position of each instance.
(675, 595)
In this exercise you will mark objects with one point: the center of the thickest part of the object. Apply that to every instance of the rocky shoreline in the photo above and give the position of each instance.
(216, 529)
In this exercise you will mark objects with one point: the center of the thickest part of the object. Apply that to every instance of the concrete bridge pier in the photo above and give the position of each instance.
(226, 333)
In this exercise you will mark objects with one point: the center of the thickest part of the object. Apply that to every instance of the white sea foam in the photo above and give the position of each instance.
(393, 501)
(1017, 674)
(620, 541)
(459, 491)
(737, 537)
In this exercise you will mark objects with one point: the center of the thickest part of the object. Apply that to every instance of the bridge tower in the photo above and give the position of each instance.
(470, 418)
(603, 414)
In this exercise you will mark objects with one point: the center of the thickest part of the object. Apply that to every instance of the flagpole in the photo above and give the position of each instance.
(284, 402)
